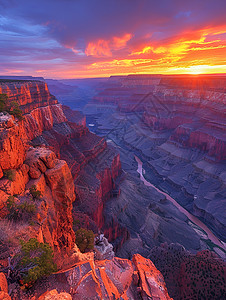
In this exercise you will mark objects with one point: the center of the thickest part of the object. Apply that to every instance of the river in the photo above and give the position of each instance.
(192, 218)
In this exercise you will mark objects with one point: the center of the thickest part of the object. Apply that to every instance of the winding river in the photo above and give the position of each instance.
(194, 219)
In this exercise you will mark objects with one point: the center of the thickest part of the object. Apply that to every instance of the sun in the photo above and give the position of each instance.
(198, 69)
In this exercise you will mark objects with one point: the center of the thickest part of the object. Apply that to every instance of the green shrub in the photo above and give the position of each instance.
(3, 102)
(27, 207)
(76, 222)
(16, 111)
(12, 108)
(84, 239)
(34, 192)
(36, 261)
(10, 203)
(10, 174)
(22, 211)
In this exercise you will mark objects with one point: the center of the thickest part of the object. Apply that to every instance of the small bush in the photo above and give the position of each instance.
(10, 174)
(16, 111)
(10, 203)
(76, 222)
(84, 239)
(3, 102)
(12, 108)
(34, 192)
(20, 211)
(36, 261)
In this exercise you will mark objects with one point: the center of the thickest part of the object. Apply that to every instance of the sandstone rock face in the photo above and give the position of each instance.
(54, 295)
(55, 182)
(111, 279)
(45, 124)
(3, 283)
(61, 183)
(12, 147)
(60, 129)
(4, 296)
(53, 179)
(29, 95)
(4, 288)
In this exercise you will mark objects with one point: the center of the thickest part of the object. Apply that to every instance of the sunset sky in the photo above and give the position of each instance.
(96, 38)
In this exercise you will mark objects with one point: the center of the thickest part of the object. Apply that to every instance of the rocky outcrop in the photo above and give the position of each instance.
(102, 248)
(53, 178)
(54, 295)
(29, 94)
(46, 123)
(4, 288)
(62, 130)
(4, 296)
(3, 283)
(110, 279)
(12, 147)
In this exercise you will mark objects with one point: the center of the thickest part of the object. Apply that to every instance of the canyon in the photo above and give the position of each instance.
(176, 126)
(92, 180)
(75, 172)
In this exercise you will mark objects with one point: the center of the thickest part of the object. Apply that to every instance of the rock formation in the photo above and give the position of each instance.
(109, 279)
(27, 160)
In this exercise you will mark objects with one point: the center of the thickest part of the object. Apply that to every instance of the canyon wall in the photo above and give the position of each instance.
(48, 124)
(176, 125)
(52, 152)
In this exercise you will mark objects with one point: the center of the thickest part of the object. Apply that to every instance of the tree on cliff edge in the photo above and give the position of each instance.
(34, 261)
(12, 108)
(3, 102)
(84, 239)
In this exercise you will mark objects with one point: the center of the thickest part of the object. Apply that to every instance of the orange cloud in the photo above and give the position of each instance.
(119, 43)
(98, 49)
(103, 48)
(202, 53)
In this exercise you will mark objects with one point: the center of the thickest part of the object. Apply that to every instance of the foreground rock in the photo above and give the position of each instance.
(4, 288)
(109, 279)
(54, 295)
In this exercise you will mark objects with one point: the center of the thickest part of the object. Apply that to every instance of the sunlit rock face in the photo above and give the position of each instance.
(29, 94)
(110, 279)
(55, 127)
(12, 147)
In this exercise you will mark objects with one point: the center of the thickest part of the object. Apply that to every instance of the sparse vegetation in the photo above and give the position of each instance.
(10, 174)
(35, 261)
(16, 111)
(22, 211)
(12, 108)
(3, 102)
(36, 194)
(84, 239)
